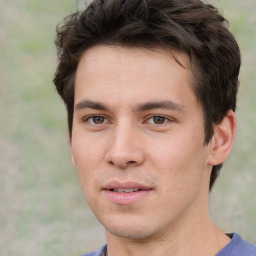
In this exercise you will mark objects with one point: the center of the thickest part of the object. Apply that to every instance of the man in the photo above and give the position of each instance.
(150, 88)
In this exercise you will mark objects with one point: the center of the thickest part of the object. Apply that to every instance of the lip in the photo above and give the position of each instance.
(126, 198)
(128, 184)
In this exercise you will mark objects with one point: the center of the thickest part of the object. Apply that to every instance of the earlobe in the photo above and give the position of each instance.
(222, 140)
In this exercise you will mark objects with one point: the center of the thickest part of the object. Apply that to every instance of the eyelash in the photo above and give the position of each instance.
(95, 116)
(166, 120)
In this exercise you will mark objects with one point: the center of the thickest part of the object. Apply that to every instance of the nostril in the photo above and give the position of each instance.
(111, 163)
(131, 162)
(123, 159)
(122, 165)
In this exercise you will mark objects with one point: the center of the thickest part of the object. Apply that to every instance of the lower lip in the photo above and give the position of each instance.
(126, 198)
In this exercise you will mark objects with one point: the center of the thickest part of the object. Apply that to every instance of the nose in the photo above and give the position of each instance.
(125, 150)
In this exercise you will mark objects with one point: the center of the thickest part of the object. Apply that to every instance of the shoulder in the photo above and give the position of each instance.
(237, 247)
(100, 252)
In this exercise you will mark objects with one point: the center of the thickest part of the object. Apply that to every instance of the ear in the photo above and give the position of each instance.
(70, 148)
(222, 140)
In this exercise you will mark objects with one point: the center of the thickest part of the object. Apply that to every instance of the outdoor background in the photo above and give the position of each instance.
(42, 209)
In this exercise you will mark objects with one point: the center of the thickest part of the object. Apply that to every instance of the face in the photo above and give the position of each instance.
(138, 140)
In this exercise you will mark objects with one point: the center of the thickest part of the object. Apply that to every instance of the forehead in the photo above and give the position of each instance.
(111, 54)
(132, 74)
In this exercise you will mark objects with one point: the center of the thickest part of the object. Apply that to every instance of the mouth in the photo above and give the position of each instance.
(127, 192)
(126, 187)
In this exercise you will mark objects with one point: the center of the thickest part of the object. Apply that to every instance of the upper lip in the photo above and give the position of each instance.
(127, 185)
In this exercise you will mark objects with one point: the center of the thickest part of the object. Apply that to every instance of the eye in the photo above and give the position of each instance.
(96, 120)
(158, 120)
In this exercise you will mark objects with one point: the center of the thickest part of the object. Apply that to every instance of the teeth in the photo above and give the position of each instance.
(126, 190)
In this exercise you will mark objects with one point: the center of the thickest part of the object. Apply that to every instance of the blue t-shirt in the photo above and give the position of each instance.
(236, 247)
(100, 252)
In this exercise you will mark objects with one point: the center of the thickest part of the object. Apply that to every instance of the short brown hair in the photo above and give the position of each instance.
(189, 26)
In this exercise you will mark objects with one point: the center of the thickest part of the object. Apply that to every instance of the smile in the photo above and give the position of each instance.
(126, 193)
(125, 190)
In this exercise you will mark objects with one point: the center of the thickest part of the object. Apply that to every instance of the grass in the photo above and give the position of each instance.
(233, 198)
(43, 211)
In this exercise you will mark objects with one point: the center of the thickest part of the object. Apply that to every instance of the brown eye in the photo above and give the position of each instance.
(159, 120)
(96, 119)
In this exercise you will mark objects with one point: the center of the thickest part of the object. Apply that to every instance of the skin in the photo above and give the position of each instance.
(120, 136)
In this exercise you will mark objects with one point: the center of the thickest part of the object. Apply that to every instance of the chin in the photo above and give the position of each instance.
(134, 231)
(130, 234)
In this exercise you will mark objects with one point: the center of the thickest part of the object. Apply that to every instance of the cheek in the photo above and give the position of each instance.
(87, 152)
(86, 164)
(180, 161)
(86, 161)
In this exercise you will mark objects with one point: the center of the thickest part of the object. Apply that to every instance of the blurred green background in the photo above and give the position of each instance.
(42, 209)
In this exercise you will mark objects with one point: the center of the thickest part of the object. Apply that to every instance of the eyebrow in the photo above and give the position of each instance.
(90, 104)
(166, 104)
